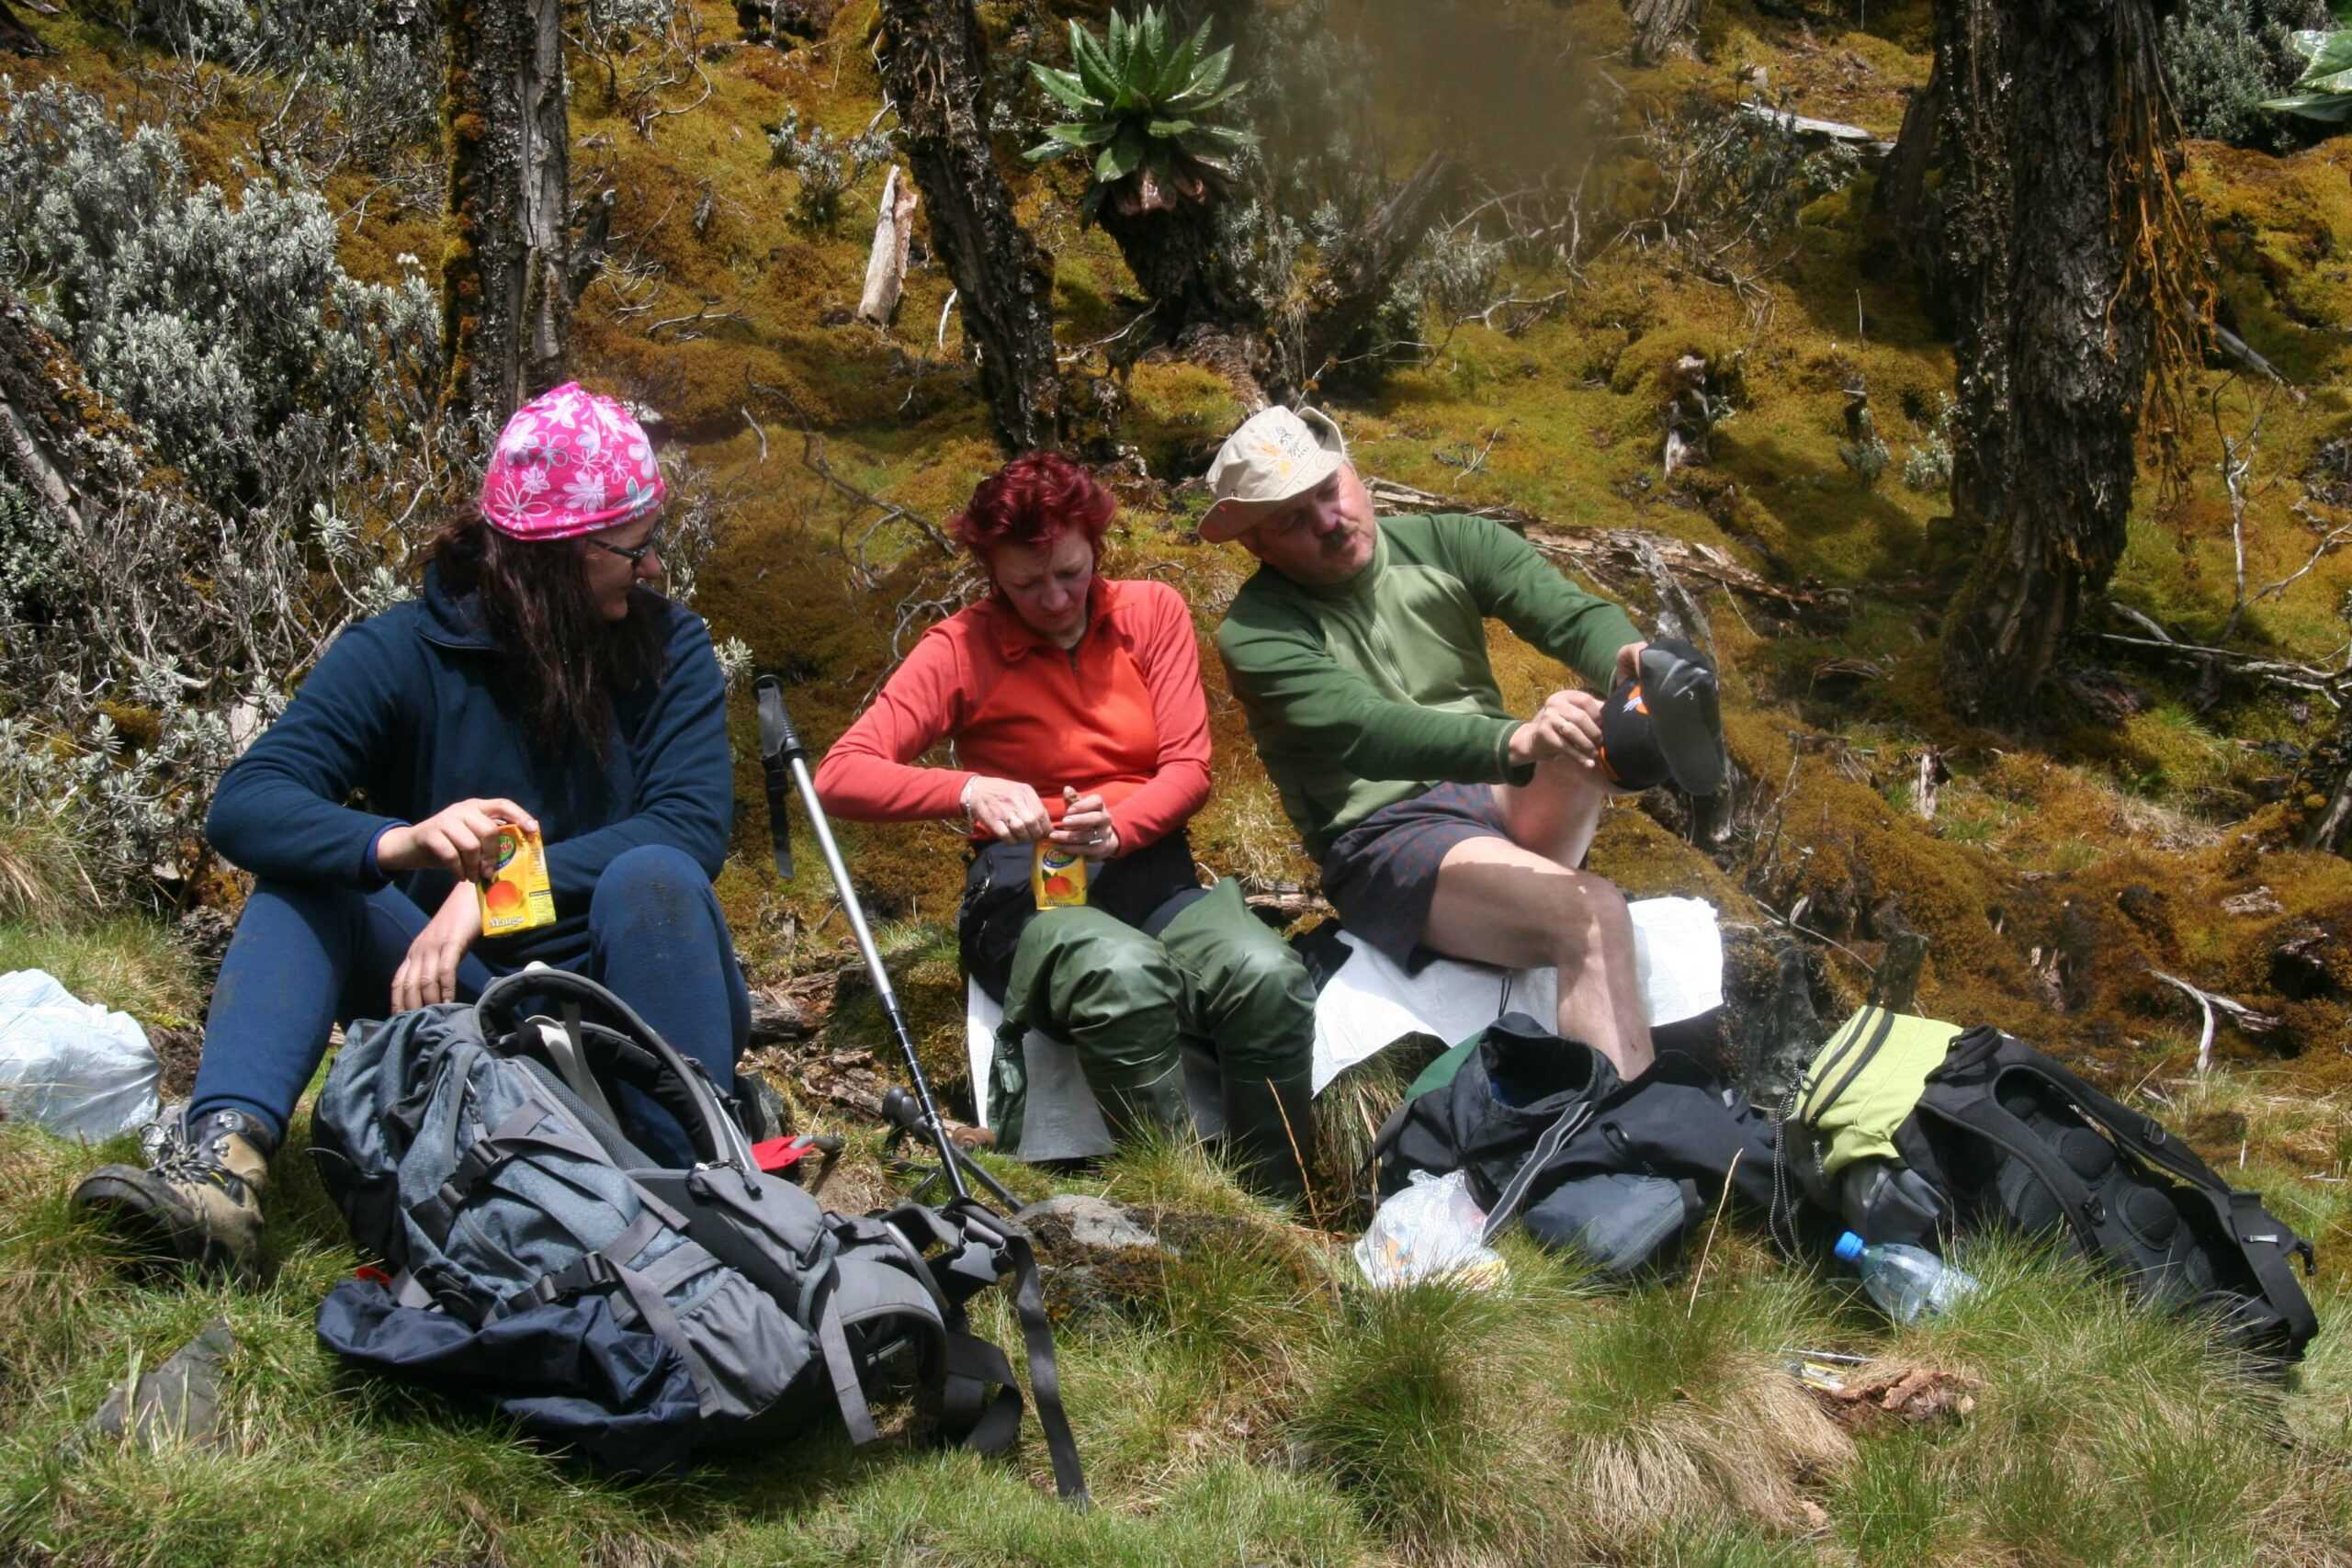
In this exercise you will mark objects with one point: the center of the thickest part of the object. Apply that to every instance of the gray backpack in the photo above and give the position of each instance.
(630, 1312)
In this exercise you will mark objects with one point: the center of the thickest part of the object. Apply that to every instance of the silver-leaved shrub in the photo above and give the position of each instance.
(253, 485)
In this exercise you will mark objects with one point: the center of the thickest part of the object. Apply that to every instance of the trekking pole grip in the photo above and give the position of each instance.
(779, 740)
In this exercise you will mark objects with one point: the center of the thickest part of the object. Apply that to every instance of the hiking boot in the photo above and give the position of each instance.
(200, 1198)
(1268, 1134)
(1129, 1108)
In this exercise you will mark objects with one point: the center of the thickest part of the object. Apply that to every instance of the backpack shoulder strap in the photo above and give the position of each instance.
(2267, 1244)
(2260, 1236)
(1976, 1110)
(982, 1247)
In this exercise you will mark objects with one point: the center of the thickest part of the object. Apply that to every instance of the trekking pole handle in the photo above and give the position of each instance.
(775, 723)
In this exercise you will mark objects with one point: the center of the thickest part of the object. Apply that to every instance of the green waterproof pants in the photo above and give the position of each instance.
(1127, 1002)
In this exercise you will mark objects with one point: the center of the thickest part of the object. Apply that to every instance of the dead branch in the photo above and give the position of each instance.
(2250, 1023)
(2237, 470)
(2237, 348)
(886, 263)
(1931, 773)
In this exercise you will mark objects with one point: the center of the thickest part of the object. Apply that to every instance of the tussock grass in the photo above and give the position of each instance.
(1348, 1118)
(1241, 1399)
(126, 963)
(42, 877)
(2102, 1433)
(1540, 1422)
(50, 918)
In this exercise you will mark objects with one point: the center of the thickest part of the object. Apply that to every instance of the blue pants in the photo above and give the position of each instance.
(306, 958)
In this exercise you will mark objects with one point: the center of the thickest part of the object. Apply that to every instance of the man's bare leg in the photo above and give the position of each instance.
(1556, 812)
(1501, 904)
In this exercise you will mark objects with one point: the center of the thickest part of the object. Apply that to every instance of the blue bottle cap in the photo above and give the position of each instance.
(1850, 1247)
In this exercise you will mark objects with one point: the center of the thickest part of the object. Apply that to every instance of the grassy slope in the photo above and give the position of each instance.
(1239, 1406)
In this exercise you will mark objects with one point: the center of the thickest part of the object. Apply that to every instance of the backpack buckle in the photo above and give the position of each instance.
(592, 1271)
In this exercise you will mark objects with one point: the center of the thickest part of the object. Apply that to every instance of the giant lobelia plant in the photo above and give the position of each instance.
(1147, 111)
(2324, 92)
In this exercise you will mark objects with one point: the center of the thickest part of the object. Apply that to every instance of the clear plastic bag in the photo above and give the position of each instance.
(1432, 1228)
(69, 1065)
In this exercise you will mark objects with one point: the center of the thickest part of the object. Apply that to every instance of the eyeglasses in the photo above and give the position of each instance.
(632, 553)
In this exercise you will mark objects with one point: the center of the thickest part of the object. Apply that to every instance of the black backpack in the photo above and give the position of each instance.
(2008, 1138)
(632, 1313)
(1551, 1138)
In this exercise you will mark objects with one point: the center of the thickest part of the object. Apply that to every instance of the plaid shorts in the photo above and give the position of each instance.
(1382, 872)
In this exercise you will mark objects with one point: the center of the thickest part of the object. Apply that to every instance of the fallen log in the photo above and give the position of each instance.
(1806, 128)
(1622, 554)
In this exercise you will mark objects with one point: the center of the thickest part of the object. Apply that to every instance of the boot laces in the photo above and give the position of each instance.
(177, 1156)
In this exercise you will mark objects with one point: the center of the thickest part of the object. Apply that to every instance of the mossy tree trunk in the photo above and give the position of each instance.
(934, 66)
(2046, 196)
(1179, 263)
(15, 37)
(1658, 23)
(505, 306)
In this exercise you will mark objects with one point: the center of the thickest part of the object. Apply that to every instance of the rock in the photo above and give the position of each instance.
(2261, 901)
(1094, 1256)
(179, 1402)
(1070, 1224)
(2300, 965)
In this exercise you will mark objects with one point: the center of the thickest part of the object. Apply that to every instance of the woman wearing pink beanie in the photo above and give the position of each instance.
(539, 678)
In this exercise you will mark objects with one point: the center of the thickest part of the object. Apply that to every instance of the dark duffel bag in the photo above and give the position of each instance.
(1552, 1139)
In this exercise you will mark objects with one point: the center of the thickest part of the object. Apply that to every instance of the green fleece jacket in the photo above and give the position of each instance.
(1370, 691)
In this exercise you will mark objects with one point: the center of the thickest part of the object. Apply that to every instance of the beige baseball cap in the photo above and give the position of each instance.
(1274, 455)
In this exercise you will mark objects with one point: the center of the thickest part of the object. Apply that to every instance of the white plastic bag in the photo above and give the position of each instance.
(75, 1069)
(1433, 1227)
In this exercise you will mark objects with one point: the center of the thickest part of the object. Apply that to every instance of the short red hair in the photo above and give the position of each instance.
(1034, 499)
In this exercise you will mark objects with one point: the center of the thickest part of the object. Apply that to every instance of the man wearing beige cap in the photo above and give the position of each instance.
(1445, 824)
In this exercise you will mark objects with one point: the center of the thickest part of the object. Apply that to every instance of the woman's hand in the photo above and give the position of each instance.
(1007, 809)
(451, 839)
(429, 973)
(1085, 826)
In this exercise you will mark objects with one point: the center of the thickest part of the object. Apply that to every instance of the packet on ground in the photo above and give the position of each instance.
(69, 1065)
(1432, 1228)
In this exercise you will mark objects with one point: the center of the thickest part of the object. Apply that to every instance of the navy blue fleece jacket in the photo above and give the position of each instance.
(411, 711)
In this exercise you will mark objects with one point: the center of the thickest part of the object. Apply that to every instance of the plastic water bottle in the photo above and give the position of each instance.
(1904, 1279)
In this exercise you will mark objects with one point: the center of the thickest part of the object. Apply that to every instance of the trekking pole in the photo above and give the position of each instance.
(784, 757)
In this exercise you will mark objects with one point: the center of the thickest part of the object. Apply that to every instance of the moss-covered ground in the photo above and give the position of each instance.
(2139, 820)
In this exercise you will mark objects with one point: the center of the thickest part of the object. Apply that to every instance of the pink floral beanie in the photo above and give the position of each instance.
(570, 462)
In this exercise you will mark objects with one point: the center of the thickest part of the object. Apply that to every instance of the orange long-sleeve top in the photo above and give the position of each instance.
(1122, 714)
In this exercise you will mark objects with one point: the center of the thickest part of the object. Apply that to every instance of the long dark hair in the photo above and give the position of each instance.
(568, 663)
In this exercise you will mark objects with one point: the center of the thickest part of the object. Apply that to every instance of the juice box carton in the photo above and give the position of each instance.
(514, 893)
(1056, 875)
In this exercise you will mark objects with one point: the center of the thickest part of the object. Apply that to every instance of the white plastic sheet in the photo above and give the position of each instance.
(1371, 1003)
(74, 1068)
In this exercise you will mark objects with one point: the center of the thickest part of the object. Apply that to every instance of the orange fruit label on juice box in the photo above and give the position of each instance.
(1056, 875)
(514, 893)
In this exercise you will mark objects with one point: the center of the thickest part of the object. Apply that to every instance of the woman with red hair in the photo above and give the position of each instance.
(1074, 706)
